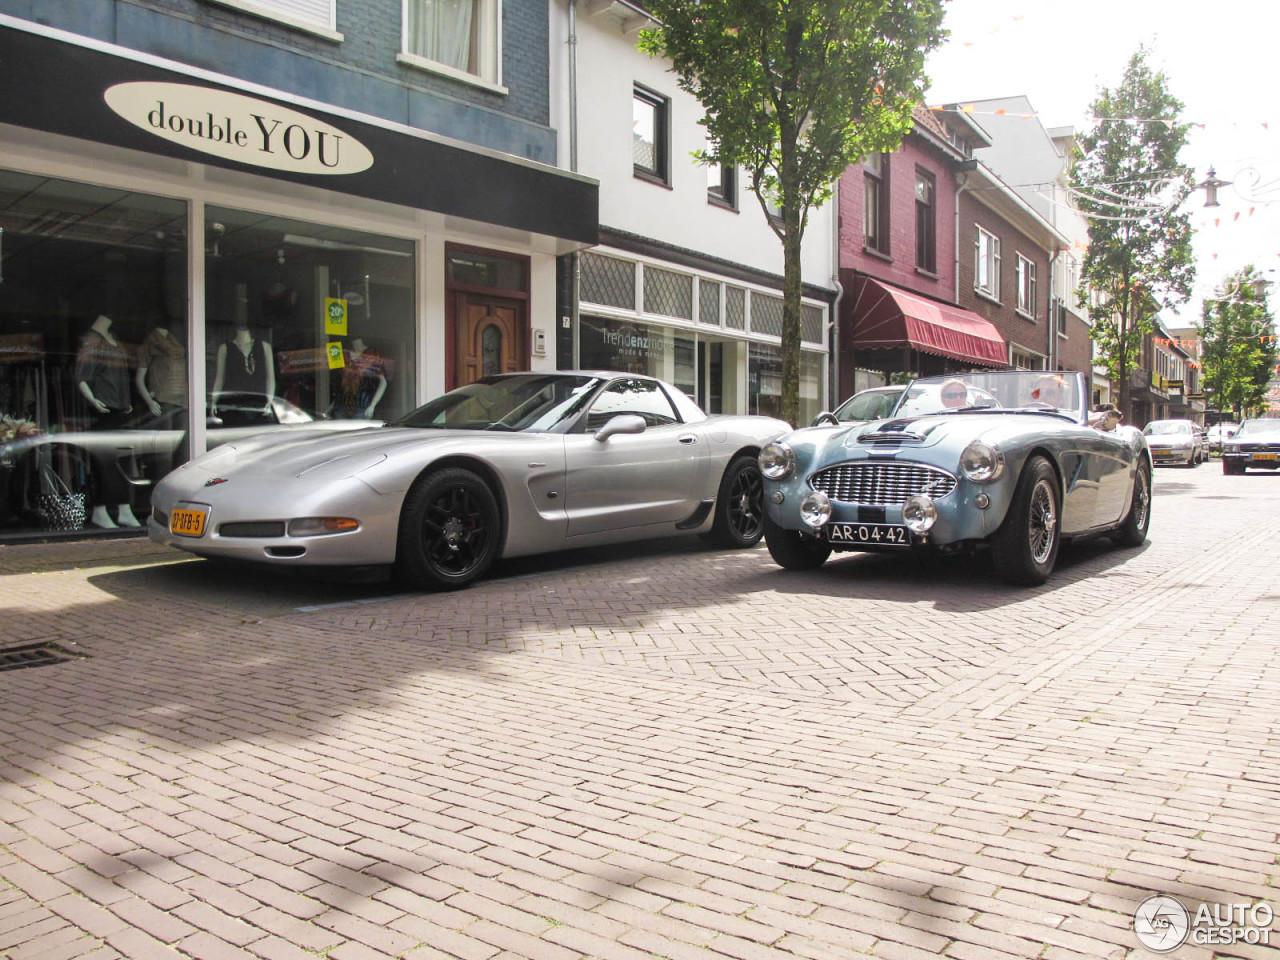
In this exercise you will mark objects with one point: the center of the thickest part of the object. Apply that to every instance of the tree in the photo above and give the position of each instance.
(1238, 338)
(1129, 183)
(795, 91)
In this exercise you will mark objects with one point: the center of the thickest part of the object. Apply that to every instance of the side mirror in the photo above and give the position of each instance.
(826, 417)
(622, 423)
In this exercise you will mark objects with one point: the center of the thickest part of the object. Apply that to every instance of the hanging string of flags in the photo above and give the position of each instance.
(972, 109)
(1197, 343)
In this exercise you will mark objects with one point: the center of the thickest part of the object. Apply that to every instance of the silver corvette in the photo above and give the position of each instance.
(508, 466)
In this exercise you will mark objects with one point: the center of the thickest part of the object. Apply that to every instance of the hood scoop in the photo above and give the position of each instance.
(893, 431)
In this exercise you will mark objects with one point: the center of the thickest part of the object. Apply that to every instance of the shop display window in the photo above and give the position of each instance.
(93, 388)
(764, 378)
(629, 347)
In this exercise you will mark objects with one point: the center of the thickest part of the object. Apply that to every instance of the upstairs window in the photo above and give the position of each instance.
(875, 173)
(1026, 287)
(458, 38)
(986, 268)
(722, 184)
(926, 236)
(316, 16)
(649, 125)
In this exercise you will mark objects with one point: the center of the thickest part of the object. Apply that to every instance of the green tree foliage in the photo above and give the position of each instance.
(1130, 183)
(1239, 344)
(795, 91)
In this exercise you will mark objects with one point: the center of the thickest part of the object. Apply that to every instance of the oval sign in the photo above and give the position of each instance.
(237, 127)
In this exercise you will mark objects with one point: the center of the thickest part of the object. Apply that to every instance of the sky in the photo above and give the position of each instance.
(1221, 59)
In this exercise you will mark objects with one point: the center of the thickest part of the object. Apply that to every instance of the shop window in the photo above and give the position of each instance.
(709, 302)
(986, 270)
(735, 308)
(764, 381)
(668, 293)
(649, 135)
(458, 38)
(93, 354)
(608, 281)
(875, 203)
(638, 348)
(318, 318)
(926, 229)
(1026, 287)
(475, 269)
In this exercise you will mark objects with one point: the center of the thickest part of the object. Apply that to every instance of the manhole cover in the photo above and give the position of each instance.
(35, 655)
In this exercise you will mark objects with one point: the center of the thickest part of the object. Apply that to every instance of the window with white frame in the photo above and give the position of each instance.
(315, 15)
(986, 268)
(455, 37)
(1021, 359)
(1026, 287)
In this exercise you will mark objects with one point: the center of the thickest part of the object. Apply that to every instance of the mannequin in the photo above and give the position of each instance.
(164, 357)
(363, 382)
(102, 376)
(244, 365)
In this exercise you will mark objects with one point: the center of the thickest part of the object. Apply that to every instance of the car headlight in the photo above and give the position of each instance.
(919, 513)
(776, 460)
(981, 462)
(815, 509)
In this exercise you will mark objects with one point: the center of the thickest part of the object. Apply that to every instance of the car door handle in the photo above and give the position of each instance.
(688, 438)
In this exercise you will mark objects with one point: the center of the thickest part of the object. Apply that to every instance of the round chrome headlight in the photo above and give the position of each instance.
(919, 513)
(981, 462)
(815, 508)
(776, 460)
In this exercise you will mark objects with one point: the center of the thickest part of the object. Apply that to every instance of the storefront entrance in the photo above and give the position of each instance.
(491, 336)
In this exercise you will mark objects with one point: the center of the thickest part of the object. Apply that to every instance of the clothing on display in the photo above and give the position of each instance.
(162, 370)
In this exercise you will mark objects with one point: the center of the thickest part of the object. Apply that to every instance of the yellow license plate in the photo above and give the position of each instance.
(187, 523)
(1264, 456)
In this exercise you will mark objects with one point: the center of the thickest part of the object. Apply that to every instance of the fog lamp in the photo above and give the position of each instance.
(919, 513)
(815, 509)
(320, 526)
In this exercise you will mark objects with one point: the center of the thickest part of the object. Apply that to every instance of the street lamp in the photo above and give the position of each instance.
(1210, 186)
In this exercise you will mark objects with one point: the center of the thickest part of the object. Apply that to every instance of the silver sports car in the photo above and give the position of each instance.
(508, 466)
(1006, 459)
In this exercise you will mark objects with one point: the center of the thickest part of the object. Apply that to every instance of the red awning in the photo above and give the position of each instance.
(888, 316)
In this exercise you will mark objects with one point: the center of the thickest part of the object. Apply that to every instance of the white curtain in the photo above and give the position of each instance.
(440, 30)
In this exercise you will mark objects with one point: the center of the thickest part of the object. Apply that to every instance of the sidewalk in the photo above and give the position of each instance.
(672, 752)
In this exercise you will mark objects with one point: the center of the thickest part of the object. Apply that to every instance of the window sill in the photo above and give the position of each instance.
(721, 202)
(1029, 317)
(452, 73)
(924, 272)
(266, 13)
(1062, 336)
(648, 176)
(878, 254)
(986, 296)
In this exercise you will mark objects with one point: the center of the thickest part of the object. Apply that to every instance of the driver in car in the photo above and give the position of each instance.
(954, 393)
(1050, 390)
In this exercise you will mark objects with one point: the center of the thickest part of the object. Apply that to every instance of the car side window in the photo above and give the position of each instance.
(641, 397)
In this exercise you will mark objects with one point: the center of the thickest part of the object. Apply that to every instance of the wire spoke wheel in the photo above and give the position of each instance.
(1042, 522)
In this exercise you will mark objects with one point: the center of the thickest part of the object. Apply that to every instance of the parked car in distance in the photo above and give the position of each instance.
(1003, 460)
(874, 403)
(1176, 441)
(510, 465)
(1217, 435)
(1255, 445)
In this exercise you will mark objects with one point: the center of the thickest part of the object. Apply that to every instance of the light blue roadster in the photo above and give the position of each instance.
(1008, 460)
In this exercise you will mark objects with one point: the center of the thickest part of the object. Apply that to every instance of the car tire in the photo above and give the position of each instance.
(739, 521)
(1025, 548)
(1133, 531)
(450, 531)
(793, 550)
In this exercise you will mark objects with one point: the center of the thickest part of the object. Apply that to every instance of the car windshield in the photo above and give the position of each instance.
(1257, 428)
(532, 402)
(1160, 428)
(874, 404)
(1004, 391)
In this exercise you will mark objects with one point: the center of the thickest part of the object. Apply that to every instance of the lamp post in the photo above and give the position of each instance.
(1210, 186)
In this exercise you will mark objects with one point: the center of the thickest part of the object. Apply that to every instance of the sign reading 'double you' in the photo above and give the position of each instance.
(237, 127)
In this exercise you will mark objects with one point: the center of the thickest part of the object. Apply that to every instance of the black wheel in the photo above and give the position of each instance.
(1025, 548)
(1133, 532)
(794, 550)
(739, 518)
(449, 530)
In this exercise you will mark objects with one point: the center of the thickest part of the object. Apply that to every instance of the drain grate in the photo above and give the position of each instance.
(35, 655)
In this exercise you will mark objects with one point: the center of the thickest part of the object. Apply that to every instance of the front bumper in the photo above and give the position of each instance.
(1160, 457)
(1256, 459)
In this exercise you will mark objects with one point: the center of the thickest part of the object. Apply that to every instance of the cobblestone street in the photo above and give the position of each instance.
(655, 751)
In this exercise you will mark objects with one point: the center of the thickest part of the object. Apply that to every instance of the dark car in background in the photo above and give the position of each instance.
(1256, 446)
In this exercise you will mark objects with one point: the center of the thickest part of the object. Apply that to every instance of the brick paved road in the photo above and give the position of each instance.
(659, 752)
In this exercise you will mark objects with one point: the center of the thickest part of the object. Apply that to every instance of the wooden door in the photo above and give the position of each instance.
(491, 335)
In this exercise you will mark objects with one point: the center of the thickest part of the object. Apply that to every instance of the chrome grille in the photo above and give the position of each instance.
(882, 483)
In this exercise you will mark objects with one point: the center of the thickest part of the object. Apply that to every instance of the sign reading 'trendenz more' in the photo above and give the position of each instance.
(238, 127)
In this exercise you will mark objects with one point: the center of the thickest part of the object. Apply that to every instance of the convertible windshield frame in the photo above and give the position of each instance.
(1060, 394)
(508, 403)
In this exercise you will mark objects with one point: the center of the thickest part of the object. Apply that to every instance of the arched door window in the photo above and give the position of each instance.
(490, 351)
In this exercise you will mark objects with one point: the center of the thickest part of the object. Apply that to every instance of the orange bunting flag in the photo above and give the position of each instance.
(1237, 216)
(1000, 112)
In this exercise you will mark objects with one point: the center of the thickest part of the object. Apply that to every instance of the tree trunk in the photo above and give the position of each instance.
(792, 317)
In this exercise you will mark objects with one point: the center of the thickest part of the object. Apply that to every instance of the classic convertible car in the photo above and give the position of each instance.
(508, 466)
(1255, 445)
(1004, 459)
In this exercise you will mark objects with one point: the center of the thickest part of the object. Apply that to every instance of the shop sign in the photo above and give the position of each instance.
(335, 316)
(336, 357)
(237, 127)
